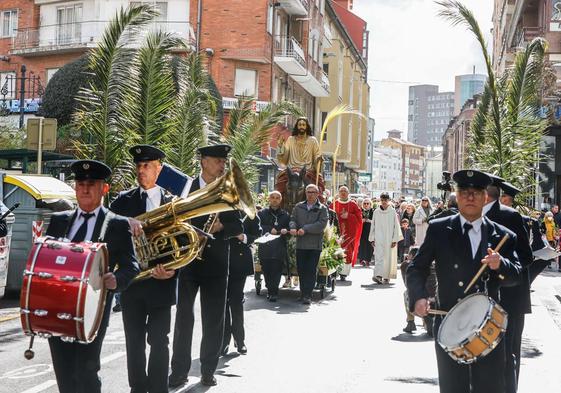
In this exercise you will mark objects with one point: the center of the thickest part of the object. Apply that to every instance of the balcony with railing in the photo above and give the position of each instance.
(72, 37)
(524, 35)
(295, 7)
(315, 82)
(289, 55)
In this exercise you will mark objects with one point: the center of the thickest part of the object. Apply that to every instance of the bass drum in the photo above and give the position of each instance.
(63, 293)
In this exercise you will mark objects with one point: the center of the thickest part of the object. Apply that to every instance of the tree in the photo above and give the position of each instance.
(506, 131)
(59, 100)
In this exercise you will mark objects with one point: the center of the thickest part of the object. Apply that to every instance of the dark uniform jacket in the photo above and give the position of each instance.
(154, 293)
(117, 237)
(444, 213)
(454, 264)
(515, 299)
(275, 249)
(241, 258)
(215, 257)
(533, 228)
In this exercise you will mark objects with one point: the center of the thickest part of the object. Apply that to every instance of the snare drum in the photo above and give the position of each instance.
(63, 292)
(472, 328)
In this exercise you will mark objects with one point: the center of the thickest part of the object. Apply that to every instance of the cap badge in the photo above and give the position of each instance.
(86, 166)
(469, 174)
(138, 150)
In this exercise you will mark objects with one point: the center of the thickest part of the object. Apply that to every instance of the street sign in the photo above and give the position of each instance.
(48, 132)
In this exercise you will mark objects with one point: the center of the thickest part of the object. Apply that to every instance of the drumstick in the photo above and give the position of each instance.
(482, 268)
(437, 312)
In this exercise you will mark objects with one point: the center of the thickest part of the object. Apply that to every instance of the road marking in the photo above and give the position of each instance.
(28, 371)
(112, 357)
(8, 317)
(42, 387)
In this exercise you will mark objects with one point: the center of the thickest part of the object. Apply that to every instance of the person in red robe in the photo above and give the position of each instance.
(350, 227)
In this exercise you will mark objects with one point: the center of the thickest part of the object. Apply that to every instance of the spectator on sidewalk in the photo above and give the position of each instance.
(407, 241)
(273, 254)
(420, 219)
(308, 221)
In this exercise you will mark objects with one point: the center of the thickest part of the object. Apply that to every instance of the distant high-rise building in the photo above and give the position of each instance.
(429, 114)
(466, 87)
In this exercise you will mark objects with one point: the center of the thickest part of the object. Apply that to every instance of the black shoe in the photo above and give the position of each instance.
(242, 349)
(343, 278)
(410, 328)
(117, 308)
(208, 380)
(273, 298)
(377, 279)
(175, 382)
(306, 300)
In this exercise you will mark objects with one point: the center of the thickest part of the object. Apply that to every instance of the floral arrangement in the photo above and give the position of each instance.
(332, 255)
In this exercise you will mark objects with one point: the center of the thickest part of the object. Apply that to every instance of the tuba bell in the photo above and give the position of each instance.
(168, 238)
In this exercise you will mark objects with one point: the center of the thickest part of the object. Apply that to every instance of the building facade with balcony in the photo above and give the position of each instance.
(413, 163)
(455, 138)
(346, 69)
(515, 24)
(47, 34)
(386, 171)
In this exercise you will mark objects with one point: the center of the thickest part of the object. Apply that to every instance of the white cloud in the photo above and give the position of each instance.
(410, 43)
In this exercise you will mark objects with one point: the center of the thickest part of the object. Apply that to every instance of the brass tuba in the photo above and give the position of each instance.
(169, 240)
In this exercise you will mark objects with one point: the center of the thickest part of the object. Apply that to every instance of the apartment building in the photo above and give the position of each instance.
(455, 137)
(429, 112)
(515, 24)
(386, 171)
(346, 67)
(44, 35)
(412, 158)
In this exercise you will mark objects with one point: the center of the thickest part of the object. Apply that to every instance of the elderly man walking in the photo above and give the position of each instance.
(309, 219)
(385, 232)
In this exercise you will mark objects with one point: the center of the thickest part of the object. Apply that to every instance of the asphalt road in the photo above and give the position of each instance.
(351, 341)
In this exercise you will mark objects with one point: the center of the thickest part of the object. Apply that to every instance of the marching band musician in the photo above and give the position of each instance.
(147, 304)
(459, 244)
(77, 365)
(210, 274)
(241, 266)
(514, 299)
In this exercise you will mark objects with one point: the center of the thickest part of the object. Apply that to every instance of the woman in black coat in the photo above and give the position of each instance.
(366, 250)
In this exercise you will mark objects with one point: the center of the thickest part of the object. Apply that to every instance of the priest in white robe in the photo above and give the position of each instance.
(385, 232)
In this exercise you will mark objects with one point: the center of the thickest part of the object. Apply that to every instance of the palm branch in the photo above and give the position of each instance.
(106, 105)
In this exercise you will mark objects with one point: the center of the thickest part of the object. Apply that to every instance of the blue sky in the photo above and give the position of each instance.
(410, 43)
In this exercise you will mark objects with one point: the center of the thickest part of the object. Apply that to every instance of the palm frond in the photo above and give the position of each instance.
(157, 93)
(339, 110)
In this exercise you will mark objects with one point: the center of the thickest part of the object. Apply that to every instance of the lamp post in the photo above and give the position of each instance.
(23, 70)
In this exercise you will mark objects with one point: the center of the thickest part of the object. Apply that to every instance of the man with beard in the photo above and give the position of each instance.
(299, 151)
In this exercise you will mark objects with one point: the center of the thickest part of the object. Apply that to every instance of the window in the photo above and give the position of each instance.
(245, 83)
(9, 23)
(326, 68)
(50, 73)
(69, 28)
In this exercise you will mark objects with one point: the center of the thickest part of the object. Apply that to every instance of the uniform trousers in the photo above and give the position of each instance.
(307, 264)
(213, 304)
(513, 342)
(143, 323)
(233, 318)
(487, 374)
(77, 365)
(272, 270)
